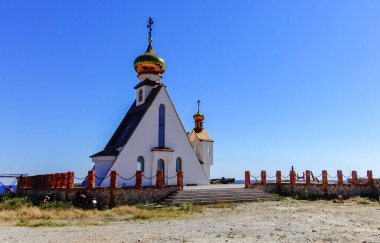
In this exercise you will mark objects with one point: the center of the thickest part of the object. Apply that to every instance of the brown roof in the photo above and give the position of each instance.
(203, 136)
(106, 152)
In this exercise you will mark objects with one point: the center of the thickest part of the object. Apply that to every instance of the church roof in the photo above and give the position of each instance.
(128, 124)
(106, 152)
(203, 136)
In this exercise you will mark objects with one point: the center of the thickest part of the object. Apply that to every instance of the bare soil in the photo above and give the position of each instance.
(274, 221)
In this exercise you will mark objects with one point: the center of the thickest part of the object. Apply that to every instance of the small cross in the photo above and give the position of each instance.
(199, 103)
(149, 26)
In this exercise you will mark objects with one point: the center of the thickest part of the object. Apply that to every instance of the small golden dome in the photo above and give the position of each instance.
(149, 62)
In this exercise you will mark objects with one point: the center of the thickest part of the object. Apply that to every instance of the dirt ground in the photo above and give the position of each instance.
(274, 221)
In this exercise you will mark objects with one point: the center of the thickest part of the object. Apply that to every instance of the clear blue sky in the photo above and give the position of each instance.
(281, 82)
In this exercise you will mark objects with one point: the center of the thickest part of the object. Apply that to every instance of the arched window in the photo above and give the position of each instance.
(161, 126)
(140, 95)
(178, 164)
(140, 164)
(161, 165)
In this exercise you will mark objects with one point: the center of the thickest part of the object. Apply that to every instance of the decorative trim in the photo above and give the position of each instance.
(162, 149)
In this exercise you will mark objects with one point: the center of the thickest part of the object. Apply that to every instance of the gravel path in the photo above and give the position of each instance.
(280, 221)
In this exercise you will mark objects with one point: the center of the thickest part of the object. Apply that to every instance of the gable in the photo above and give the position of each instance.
(128, 125)
(145, 137)
(203, 136)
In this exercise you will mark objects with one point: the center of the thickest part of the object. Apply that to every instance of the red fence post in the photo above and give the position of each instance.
(70, 180)
(308, 178)
(369, 178)
(247, 179)
(292, 178)
(91, 179)
(57, 180)
(278, 177)
(180, 180)
(51, 181)
(160, 179)
(138, 179)
(354, 178)
(113, 180)
(263, 177)
(113, 186)
(324, 178)
(339, 174)
(63, 180)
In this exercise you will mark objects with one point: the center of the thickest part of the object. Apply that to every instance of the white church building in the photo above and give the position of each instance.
(151, 136)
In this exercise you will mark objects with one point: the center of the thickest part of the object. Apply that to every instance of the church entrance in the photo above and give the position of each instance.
(161, 166)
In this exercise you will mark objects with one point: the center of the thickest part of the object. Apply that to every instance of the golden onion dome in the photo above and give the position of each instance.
(149, 62)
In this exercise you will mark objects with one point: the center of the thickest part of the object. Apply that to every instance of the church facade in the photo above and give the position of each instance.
(151, 136)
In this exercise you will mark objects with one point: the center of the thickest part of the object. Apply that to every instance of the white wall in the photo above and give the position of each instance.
(145, 137)
(102, 166)
(200, 148)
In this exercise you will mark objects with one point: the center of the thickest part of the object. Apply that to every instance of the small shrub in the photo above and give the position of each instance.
(14, 203)
(302, 195)
(222, 205)
(189, 208)
(56, 205)
(144, 206)
(186, 207)
(26, 223)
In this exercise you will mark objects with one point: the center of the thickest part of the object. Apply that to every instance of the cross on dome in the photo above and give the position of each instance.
(149, 62)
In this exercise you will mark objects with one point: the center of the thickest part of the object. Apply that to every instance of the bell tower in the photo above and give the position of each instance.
(201, 142)
(149, 67)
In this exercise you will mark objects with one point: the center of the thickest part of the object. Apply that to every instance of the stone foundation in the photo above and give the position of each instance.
(319, 192)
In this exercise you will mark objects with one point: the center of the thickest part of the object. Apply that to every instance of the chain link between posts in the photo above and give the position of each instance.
(167, 177)
(78, 178)
(126, 179)
(255, 177)
(149, 178)
(100, 178)
(347, 177)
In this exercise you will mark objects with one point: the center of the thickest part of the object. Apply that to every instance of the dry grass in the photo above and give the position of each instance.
(40, 223)
(91, 223)
(35, 213)
(362, 201)
(223, 205)
(32, 216)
